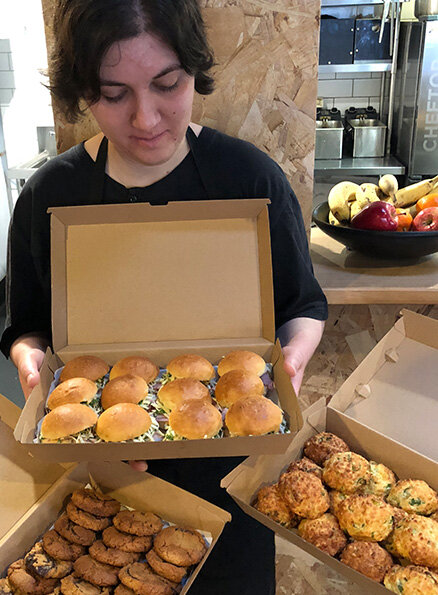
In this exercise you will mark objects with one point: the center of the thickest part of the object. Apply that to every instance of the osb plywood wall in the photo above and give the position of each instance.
(266, 82)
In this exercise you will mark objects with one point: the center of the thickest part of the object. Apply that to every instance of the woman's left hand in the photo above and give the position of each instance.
(299, 338)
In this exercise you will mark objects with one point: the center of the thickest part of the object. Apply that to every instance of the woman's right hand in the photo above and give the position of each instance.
(27, 354)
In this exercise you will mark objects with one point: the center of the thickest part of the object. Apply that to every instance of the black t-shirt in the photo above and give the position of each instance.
(217, 167)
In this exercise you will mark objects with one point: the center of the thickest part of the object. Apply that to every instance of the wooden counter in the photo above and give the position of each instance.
(348, 277)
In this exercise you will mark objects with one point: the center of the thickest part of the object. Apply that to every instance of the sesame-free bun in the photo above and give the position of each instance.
(196, 420)
(173, 394)
(124, 389)
(253, 416)
(84, 366)
(67, 420)
(73, 390)
(136, 365)
(235, 384)
(190, 365)
(242, 360)
(123, 421)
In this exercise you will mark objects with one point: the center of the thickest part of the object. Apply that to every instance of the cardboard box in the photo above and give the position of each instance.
(398, 375)
(136, 279)
(32, 495)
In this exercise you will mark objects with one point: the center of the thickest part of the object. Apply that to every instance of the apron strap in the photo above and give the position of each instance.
(96, 189)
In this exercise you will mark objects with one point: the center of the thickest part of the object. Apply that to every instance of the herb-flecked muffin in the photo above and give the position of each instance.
(381, 480)
(368, 558)
(416, 539)
(411, 580)
(304, 493)
(307, 465)
(414, 495)
(270, 502)
(346, 472)
(322, 446)
(324, 533)
(366, 517)
(335, 500)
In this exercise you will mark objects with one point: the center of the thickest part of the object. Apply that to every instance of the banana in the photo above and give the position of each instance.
(332, 219)
(388, 185)
(409, 195)
(339, 199)
(363, 198)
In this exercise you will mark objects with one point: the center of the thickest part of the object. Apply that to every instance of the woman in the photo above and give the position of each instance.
(135, 64)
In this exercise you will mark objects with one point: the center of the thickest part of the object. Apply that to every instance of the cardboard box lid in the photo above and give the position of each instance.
(23, 479)
(394, 389)
(197, 270)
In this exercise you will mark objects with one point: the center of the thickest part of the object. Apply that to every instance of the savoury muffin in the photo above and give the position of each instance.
(306, 464)
(381, 480)
(411, 580)
(322, 446)
(304, 494)
(414, 495)
(368, 558)
(335, 499)
(434, 516)
(399, 516)
(346, 472)
(416, 539)
(324, 533)
(366, 517)
(270, 502)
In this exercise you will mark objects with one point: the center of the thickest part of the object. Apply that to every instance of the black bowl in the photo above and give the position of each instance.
(384, 244)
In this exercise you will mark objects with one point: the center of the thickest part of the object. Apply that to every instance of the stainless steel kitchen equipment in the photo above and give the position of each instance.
(368, 137)
(329, 139)
(426, 9)
(415, 131)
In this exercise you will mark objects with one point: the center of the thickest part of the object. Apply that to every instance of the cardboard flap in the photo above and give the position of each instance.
(194, 270)
(393, 390)
(23, 479)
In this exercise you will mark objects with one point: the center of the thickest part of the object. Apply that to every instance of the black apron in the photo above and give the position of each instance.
(243, 560)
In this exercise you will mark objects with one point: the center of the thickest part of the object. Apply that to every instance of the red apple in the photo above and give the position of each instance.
(426, 220)
(378, 215)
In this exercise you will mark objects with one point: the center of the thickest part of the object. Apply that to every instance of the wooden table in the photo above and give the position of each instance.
(348, 277)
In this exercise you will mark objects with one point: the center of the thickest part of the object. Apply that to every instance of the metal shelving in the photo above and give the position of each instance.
(365, 166)
(356, 67)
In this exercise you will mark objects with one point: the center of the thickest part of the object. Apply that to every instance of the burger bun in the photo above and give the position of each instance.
(136, 365)
(253, 416)
(190, 365)
(84, 366)
(73, 390)
(182, 390)
(196, 420)
(242, 360)
(124, 389)
(67, 420)
(123, 421)
(235, 384)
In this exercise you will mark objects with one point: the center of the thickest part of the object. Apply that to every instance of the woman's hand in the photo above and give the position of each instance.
(27, 354)
(299, 339)
(138, 465)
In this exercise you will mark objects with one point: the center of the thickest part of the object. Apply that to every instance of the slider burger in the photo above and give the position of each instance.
(253, 416)
(191, 366)
(242, 360)
(73, 390)
(182, 390)
(123, 421)
(124, 389)
(84, 366)
(67, 421)
(195, 420)
(235, 384)
(136, 365)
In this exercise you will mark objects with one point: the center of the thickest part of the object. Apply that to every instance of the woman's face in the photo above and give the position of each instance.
(146, 99)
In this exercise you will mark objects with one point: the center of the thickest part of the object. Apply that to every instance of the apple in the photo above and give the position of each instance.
(378, 215)
(426, 220)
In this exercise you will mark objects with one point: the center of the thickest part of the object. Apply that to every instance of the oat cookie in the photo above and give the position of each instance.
(170, 571)
(182, 547)
(38, 562)
(21, 580)
(73, 585)
(138, 523)
(114, 538)
(88, 500)
(73, 532)
(95, 572)
(87, 520)
(140, 578)
(60, 548)
(123, 590)
(107, 555)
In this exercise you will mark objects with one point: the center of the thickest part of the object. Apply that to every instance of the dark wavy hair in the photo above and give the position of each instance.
(85, 29)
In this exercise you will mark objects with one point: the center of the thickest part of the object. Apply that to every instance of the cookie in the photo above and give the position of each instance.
(114, 538)
(38, 562)
(87, 520)
(92, 571)
(123, 590)
(138, 523)
(6, 588)
(182, 547)
(73, 585)
(73, 532)
(140, 578)
(21, 580)
(61, 549)
(88, 500)
(107, 555)
(170, 571)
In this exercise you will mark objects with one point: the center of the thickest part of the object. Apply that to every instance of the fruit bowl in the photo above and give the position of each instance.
(383, 244)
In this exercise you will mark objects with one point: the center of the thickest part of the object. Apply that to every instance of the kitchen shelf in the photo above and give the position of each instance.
(333, 3)
(365, 166)
(356, 67)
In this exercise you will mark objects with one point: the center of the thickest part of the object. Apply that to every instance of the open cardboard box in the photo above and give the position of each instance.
(159, 281)
(244, 481)
(32, 495)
